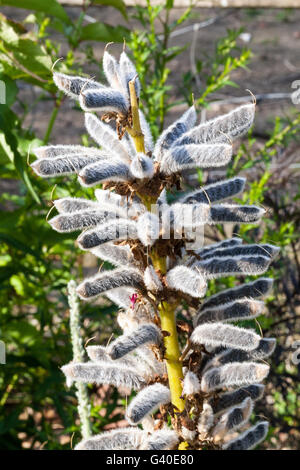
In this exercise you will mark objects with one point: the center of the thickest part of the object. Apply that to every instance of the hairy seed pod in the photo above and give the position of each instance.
(234, 374)
(80, 220)
(115, 254)
(72, 86)
(264, 349)
(120, 229)
(67, 205)
(127, 73)
(243, 309)
(121, 277)
(215, 192)
(105, 137)
(103, 100)
(192, 156)
(147, 333)
(102, 171)
(148, 228)
(121, 297)
(250, 438)
(142, 166)
(151, 280)
(100, 373)
(53, 151)
(186, 280)
(228, 336)
(206, 421)
(117, 439)
(173, 132)
(68, 164)
(161, 440)
(215, 246)
(230, 399)
(147, 401)
(111, 71)
(191, 384)
(263, 250)
(256, 289)
(233, 419)
(214, 268)
(221, 129)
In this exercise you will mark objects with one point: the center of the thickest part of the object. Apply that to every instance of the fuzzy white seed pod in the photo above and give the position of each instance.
(53, 151)
(256, 289)
(104, 170)
(151, 280)
(239, 250)
(118, 439)
(233, 419)
(173, 132)
(102, 282)
(148, 228)
(191, 384)
(103, 100)
(66, 165)
(127, 73)
(147, 401)
(115, 254)
(193, 156)
(147, 333)
(228, 336)
(142, 166)
(72, 86)
(101, 373)
(67, 205)
(206, 421)
(231, 213)
(230, 399)
(203, 251)
(105, 137)
(250, 438)
(214, 268)
(234, 374)
(186, 280)
(187, 434)
(161, 440)
(80, 220)
(221, 129)
(264, 349)
(111, 71)
(215, 192)
(120, 229)
(232, 311)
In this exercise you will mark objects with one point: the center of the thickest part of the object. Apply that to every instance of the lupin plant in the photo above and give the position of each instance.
(204, 377)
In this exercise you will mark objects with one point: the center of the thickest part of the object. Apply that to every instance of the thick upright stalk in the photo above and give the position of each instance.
(135, 131)
(166, 310)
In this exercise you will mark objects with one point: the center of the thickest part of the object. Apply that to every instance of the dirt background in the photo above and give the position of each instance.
(273, 35)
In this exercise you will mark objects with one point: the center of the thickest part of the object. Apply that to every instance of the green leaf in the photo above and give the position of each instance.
(11, 241)
(104, 33)
(50, 7)
(118, 4)
(11, 90)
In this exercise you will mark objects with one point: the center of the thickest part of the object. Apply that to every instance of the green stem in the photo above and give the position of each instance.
(52, 120)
